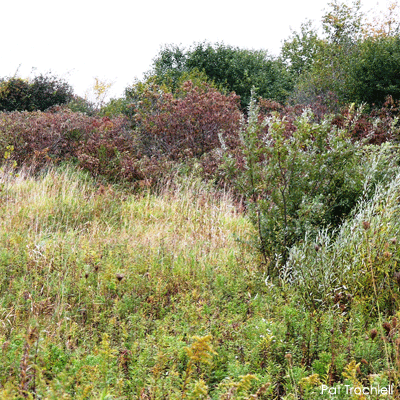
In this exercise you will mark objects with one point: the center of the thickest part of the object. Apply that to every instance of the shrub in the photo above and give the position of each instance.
(185, 126)
(40, 93)
(232, 68)
(376, 72)
(115, 107)
(47, 91)
(376, 127)
(358, 262)
(103, 146)
(42, 137)
(14, 94)
(356, 59)
(297, 176)
(79, 104)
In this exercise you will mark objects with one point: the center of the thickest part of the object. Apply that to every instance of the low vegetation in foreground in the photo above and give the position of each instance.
(103, 293)
(111, 295)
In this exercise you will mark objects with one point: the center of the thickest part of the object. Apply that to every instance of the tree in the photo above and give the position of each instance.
(357, 61)
(14, 94)
(334, 55)
(343, 23)
(40, 93)
(240, 70)
(376, 73)
(169, 65)
(47, 91)
(230, 68)
(299, 50)
(385, 23)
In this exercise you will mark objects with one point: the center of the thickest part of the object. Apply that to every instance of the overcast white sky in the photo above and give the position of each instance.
(117, 40)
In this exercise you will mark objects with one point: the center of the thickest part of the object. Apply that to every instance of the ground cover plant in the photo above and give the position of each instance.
(94, 279)
(109, 295)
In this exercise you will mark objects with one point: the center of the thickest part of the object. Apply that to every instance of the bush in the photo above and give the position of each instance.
(48, 91)
(187, 126)
(115, 107)
(40, 93)
(102, 146)
(358, 262)
(376, 127)
(298, 176)
(14, 94)
(376, 73)
(79, 104)
(356, 60)
(167, 131)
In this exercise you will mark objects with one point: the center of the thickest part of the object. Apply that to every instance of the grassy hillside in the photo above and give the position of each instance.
(102, 291)
(109, 295)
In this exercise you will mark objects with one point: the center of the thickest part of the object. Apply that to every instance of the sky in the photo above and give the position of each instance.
(115, 41)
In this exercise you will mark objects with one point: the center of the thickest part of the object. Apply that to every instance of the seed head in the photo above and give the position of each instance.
(373, 333)
(387, 327)
(366, 225)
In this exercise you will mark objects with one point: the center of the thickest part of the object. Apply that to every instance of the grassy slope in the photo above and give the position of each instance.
(116, 296)
(69, 325)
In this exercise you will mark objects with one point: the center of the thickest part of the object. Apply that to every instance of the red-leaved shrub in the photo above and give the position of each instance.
(103, 146)
(186, 125)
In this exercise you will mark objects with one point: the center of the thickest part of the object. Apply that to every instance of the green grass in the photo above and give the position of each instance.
(105, 294)
(97, 276)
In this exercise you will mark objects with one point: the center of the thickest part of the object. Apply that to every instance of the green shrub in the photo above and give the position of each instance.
(47, 91)
(356, 60)
(297, 176)
(14, 94)
(81, 105)
(376, 73)
(40, 93)
(359, 262)
(116, 107)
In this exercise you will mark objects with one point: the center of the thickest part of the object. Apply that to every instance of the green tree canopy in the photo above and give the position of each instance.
(230, 68)
(300, 49)
(355, 60)
(39, 93)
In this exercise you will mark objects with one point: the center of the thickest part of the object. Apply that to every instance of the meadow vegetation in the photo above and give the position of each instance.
(228, 229)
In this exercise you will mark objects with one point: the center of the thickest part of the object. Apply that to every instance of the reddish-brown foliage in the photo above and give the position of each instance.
(376, 127)
(188, 125)
(101, 145)
(168, 129)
